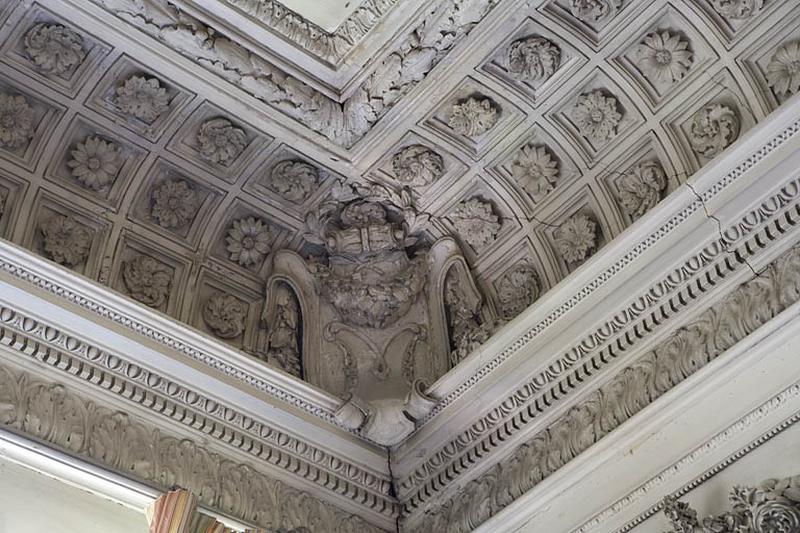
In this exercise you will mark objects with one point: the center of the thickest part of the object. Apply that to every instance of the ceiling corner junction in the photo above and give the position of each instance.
(216, 263)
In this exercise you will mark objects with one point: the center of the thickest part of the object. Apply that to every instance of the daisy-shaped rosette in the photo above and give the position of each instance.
(143, 98)
(664, 58)
(248, 241)
(783, 71)
(597, 116)
(16, 121)
(95, 163)
(576, 238)
(220, 141)
(535, 170)
(54, 48)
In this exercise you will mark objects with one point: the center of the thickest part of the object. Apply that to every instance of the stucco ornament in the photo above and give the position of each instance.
(473, 117)
(594, 11)
(783, 71)
(66, 241)
(16, 121)
(533, 59)
(220, 141)
(174, 204)
(476, 222)
(3, 200)
(642, 188)
(248, 241)
(95, 163)
(663, 57)
(143, 98)
(518, 289)
(535, 170)
(54, 48)
(417, 166)
(225, 315)
(714, 128)
(737, 9)
(774, 507)
(294, 180)
(148, 281)
(576, 238)
(597, 116)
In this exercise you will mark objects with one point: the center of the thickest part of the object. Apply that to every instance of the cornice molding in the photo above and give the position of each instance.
(693, 346)
(53, 413)
(331, 46)
(172, 403)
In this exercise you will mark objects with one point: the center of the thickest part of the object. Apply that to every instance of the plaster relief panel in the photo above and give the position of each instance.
(12, 191)
(517, 279)
(152, 276)
(638, 180)
(245, 238)
(535, 169)
(70, 237)
(26, 121)
(228, 311)
(95, 162)
(223, 145)
(773, 64)
(733, 19)
(598, 117)
(174, 204)
(712, 121)
(52, 51)
(290, 181)
(669, 53)
(594, 21)
(473, 118)
(534, 61)
(139, 99)
(425, 168)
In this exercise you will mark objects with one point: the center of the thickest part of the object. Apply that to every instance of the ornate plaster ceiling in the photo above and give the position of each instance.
(194, 155)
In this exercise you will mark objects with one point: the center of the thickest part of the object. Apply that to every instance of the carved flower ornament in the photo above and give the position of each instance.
(225, 315)
(594, 11)
(783, 71)
(174, 204)
(576, 238)
(473, 117)
(533, 59)
(143, 98)
(248, 241)
(737, 9)
(220, 141)
(518, 289)
(16, 121)
(475, 221)
(641, 189)
(294, 180)
(54, 48)
(148, 280)
(66, 241)
(535, 170)
(714, 128)
(417, 165)
(95, 163)
(664, 57)
(597, 116)
(3, 200)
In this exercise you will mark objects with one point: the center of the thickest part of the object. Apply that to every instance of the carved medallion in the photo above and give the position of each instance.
(533, 59)
(142, 98)
(174, 204)
(642, 188)
(517, 289)
(66, 241)
(16, 121)
(783, 71)
(737, 9)
(594, 11)
(473, 117)
(576, 238)
(663, 57)
(294, 180)
(248, 241)
(95, 163)
(476, 222)
(597, 116)
(225, 315)
(714, 128)
(220, 141)
(417, 166)
(54, 48)
(148, 280)
(535, 170)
